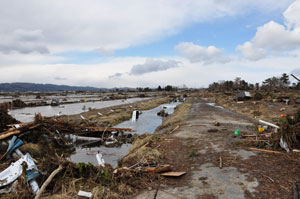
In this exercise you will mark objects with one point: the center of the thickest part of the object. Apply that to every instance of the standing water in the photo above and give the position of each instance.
(147, 122)
(27, 114)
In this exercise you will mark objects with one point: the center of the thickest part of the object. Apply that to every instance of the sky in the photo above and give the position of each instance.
(142, 43)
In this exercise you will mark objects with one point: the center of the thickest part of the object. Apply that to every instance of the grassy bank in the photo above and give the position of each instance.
(144, 147)
(114, 115)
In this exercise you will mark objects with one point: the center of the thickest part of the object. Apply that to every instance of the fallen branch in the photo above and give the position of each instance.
(174, 129)
(46, 183)
(221, 163)
(264, 150)
(269, 178)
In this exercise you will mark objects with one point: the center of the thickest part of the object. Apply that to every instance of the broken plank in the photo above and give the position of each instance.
(264, 150)
(173, 174)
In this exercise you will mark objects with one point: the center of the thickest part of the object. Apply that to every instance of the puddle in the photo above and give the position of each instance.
(148, 121)
(27, 114)
(111, 155)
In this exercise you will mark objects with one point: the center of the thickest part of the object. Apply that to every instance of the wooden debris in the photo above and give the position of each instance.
(216, 123)
(221, 163)
(20, 130)
(46, 183)
(269, 178)
(173, 174)
(174, 129)
(159, 169)
(101, 129)
(264, 150)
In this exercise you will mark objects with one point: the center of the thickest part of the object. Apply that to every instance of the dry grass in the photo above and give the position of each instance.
(141, 151)
(124, 113)
(34, 149)
(143, 148)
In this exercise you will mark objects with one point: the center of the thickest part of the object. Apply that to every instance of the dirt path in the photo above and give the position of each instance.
(244, 173)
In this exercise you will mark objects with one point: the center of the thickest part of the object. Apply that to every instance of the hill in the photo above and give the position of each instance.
(26, 87)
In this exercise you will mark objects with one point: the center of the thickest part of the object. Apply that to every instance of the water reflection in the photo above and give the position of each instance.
(148, 121)
(27, 114)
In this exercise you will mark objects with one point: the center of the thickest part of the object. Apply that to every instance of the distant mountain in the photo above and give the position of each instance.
(26, 87)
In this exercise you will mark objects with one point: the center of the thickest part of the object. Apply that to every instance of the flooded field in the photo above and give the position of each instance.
(27, 114)
(47, 98)
(147, 122)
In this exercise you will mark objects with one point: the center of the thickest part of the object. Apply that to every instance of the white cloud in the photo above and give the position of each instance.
(56, 26)
(276, 37)
(192, 74)
(251, 52)
(273, 37)
(196, 53)
(152, 65)
(32, 31)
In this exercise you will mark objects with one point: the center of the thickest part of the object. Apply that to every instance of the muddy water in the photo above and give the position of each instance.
(27, 114)
(148, 121)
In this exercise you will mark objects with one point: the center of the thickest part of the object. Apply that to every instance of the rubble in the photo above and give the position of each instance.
(50, 141)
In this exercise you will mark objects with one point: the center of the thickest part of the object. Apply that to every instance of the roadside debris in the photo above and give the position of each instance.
(85, 194)
(284, 145)
(100, 159)
(216, 123)
(264, 150)
(158, 169)
(244, 95)
(46, 183)
(269, 124)
(135, 116)
(237, 132)
(173, 174)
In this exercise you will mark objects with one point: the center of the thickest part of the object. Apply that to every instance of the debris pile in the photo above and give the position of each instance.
(5, 118)
(290, 130)
(271, 136)
(37, 154)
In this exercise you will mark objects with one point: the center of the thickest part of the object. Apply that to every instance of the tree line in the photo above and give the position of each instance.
(270, 84)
